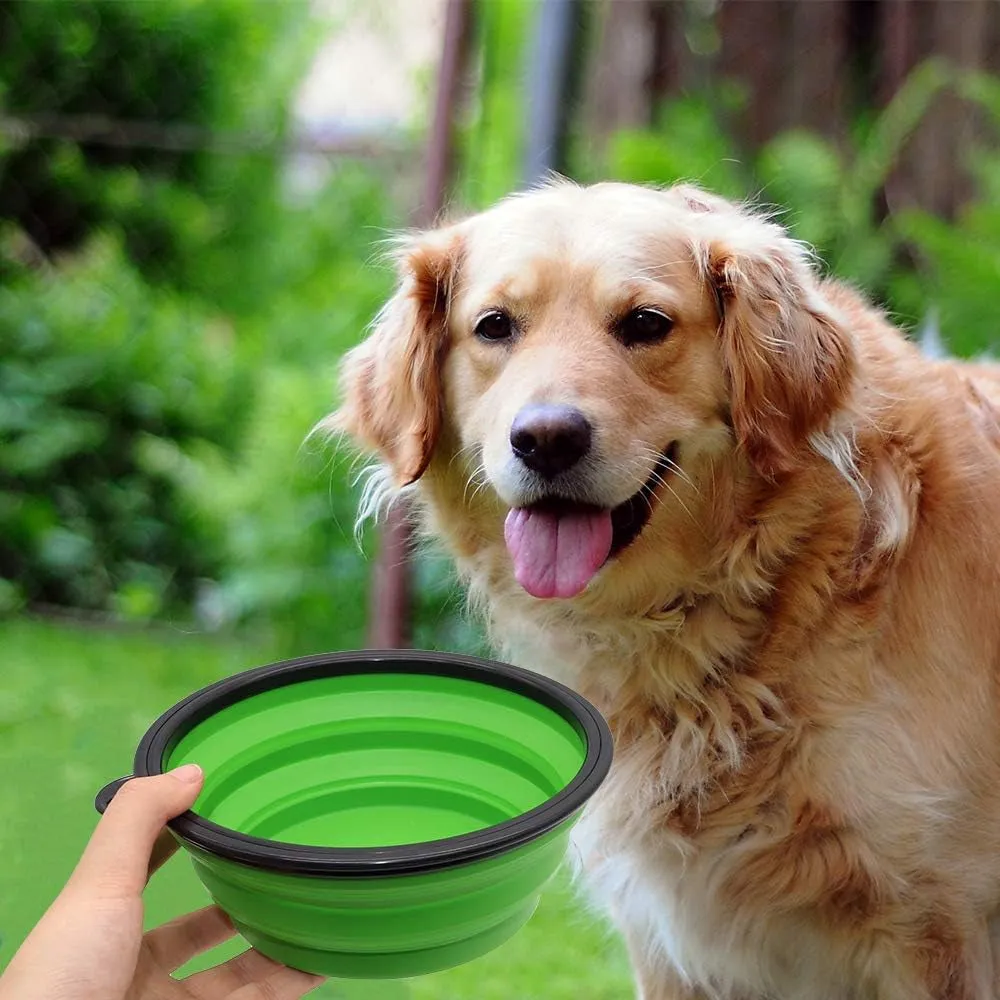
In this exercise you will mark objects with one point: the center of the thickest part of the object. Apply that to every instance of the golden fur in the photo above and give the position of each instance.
(799, 656)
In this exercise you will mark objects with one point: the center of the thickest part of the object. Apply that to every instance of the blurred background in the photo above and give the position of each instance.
(193, 195)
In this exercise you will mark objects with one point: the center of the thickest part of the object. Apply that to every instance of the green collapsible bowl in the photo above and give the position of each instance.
(379, 814)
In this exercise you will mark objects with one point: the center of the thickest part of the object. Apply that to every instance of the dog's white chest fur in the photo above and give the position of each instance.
(663, 897)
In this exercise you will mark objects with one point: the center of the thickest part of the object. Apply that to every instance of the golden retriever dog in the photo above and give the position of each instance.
(728, 502)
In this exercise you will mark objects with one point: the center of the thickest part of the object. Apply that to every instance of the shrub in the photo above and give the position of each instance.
(180, 76)
(98, 375)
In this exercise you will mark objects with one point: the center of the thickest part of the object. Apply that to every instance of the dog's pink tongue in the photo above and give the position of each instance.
(557, 555)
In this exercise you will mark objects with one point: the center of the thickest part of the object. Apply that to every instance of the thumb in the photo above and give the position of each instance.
(116, 861)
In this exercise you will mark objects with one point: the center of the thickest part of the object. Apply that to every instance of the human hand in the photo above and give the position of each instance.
(90, 944)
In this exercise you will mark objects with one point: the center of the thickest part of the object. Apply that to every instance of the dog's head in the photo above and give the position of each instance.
(573, 349)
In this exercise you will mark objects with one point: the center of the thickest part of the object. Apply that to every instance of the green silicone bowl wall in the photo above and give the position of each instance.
(378, 760)
(385, 928)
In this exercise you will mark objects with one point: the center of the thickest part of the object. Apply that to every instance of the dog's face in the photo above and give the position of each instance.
(575, 348)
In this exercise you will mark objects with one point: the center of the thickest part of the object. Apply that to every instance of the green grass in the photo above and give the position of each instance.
(74, 703)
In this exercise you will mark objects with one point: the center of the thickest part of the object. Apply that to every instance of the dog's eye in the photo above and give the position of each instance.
(643, 326)
(495, 325)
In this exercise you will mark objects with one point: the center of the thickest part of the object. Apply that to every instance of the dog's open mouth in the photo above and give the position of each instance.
(558, 546)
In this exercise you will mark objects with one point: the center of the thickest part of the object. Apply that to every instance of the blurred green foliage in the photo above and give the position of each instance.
(492, 138)
(101, 378)
(170, 323)
(173, 77)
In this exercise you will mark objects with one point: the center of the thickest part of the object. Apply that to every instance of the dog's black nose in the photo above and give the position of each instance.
(550, 438)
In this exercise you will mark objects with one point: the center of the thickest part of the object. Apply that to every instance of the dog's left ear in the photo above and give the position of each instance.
(789, 360)
(392, 398)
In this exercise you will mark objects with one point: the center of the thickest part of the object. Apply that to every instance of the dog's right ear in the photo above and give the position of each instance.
(391, 390)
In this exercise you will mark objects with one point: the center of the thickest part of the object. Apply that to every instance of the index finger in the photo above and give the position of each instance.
(119, 857)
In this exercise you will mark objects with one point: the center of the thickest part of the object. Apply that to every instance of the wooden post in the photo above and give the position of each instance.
(624, 69)
(390, 613)
(942, 183)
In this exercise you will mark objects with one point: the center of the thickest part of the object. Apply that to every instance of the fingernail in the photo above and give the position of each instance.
(187, 772)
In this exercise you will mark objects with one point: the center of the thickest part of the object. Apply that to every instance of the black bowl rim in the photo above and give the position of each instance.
(363, 862)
